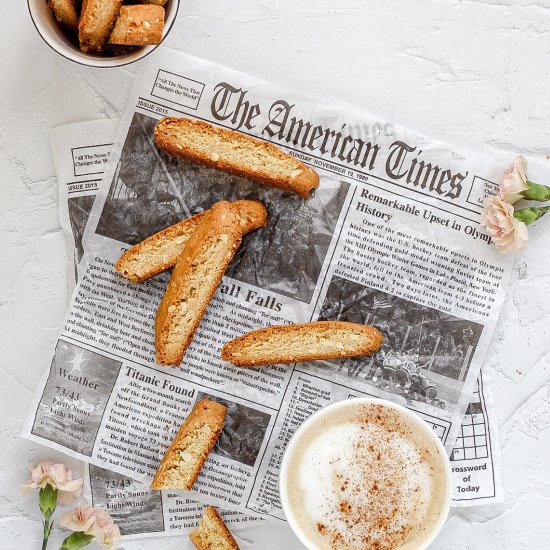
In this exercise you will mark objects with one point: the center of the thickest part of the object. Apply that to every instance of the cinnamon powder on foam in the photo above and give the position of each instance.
(365, 480)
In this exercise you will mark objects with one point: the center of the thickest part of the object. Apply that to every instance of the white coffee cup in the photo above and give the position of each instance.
(413, 419)
(52, 33)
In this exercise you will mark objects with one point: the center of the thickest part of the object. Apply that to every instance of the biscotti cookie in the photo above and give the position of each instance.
(212, 533)
(305, 342)
(65, 11)
(155, 2)
(138, 25)
(184, 459)
(235, 153)
(157, 253)
(97, 20)
(160, 251)
(195, 277)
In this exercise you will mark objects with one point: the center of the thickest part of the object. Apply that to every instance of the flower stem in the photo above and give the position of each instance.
(47, 531)
(47, 501)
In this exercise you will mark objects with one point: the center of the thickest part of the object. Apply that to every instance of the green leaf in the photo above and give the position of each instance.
(76, 540)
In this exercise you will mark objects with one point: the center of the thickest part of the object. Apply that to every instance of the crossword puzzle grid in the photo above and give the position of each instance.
(472, 439)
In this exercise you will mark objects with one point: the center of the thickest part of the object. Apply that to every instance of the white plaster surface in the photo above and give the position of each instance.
(474, 73)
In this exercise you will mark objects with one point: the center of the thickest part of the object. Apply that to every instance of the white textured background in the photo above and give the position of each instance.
(475, 73)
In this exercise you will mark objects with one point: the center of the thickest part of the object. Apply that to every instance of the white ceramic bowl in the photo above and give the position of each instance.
(327, 411)
(50, 30)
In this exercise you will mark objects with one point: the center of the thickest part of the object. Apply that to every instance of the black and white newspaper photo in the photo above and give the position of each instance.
(391, 238)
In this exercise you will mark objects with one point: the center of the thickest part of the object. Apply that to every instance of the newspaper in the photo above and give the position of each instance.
(393, 240)
(80, 152)
(475, 460)
(476, 456)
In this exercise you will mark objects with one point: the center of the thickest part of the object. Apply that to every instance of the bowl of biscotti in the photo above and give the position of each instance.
(103, 33)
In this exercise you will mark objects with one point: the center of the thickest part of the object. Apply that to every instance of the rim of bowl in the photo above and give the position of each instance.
(417, 420)
(110, 62)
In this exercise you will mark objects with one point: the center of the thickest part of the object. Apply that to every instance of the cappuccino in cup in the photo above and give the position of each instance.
(365, 474)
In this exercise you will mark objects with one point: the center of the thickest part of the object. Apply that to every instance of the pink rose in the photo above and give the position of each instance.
(59, 477)
(95, 522)
(514, 181)
(507, 233)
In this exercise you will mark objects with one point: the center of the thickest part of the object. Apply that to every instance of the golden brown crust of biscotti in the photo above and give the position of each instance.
(212, 533)
(138, 25)
(195, 277)
(155, 2)
(184, 459)
(97, 20)
(251, 215)
(302, 342)
(65, 11)
(235, 153)
(160, 251)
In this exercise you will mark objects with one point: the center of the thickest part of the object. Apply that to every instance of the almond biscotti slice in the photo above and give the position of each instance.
(160, 251)
(235, 153)
(138, 25)
(65, 11)
(195, 277)
(97, 20)
(306, 342)
(184, 459)
(155, 2)
(157, 253)
(212, 533)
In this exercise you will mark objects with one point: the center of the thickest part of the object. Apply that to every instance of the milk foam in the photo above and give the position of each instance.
(366, 482)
